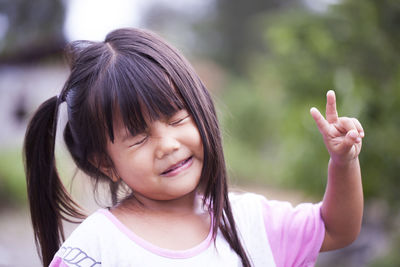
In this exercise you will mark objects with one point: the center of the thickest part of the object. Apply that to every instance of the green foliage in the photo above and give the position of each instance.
(249, 140)
(12, 177)
(232, 33)
(32, 28)
(353, 49)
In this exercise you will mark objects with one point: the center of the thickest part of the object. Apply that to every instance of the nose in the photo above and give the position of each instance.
(166, 146)
(167, 143)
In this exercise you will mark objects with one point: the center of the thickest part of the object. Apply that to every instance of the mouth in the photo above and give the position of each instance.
(177, 168)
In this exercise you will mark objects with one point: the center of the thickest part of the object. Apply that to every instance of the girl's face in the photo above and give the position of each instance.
(164, 163)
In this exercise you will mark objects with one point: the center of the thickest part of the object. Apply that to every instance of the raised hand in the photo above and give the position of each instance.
(342, 135)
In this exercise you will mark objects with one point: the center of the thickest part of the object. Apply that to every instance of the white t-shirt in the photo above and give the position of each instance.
(272, 232)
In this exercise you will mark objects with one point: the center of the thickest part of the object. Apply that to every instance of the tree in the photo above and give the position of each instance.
(353, 49)
(35, 29)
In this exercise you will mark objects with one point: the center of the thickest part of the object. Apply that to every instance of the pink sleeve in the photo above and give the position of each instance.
(57, 262)
(295, 233)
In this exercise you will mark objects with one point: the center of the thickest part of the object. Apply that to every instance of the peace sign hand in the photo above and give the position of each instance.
(342, 135)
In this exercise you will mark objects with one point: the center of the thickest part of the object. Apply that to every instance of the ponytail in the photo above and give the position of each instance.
(49, 201)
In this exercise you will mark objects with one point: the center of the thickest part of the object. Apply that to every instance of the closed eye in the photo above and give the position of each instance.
(140, 141)
(179, 117)
(180, 120)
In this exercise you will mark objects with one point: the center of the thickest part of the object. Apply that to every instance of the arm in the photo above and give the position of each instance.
(342, 206)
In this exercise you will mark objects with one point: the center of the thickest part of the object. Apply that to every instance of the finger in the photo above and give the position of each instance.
(350, 139)
(359, 127)
(322, 124)
(331, 112)
(345, 124)
(348, 126)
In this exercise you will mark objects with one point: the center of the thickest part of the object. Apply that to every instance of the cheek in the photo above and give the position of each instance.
(131, 165)
(197, 143)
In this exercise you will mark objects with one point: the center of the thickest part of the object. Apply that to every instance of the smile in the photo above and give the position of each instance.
(178, 168)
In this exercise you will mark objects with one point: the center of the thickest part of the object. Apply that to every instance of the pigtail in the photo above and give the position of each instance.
(49, 201)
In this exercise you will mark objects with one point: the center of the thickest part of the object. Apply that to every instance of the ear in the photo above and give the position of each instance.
(111, 173)
(106, 167)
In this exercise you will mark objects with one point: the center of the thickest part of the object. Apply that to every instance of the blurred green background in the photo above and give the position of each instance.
(267, 62)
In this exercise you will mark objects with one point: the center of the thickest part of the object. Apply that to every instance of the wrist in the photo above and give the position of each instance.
(334, 161)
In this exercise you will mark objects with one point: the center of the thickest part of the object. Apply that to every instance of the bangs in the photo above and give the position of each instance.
(139, 90)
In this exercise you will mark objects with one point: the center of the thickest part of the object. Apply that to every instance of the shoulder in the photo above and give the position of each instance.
(247, 209)
(279, 214)
(84, 242)
(90, 228)
(273, 212)
(238, 199)
(272, 209)
(255, 203)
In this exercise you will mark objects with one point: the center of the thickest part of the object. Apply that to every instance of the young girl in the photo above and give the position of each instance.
(139, 118)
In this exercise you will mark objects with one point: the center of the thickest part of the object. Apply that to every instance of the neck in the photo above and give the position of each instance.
(185, 205)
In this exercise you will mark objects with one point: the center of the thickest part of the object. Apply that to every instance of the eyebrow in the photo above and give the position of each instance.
(127, 134)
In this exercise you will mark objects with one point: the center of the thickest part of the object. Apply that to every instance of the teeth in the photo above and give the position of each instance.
(180, 164)
(176, 166)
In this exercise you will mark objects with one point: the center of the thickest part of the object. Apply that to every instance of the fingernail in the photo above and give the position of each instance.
(358, 140)
(362, 134)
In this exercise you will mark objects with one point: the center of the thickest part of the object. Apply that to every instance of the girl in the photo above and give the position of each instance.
(140, 119)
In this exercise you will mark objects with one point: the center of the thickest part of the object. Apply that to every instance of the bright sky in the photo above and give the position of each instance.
(93, 19)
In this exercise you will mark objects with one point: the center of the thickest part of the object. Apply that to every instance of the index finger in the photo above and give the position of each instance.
(322, 124)
(331, 112)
